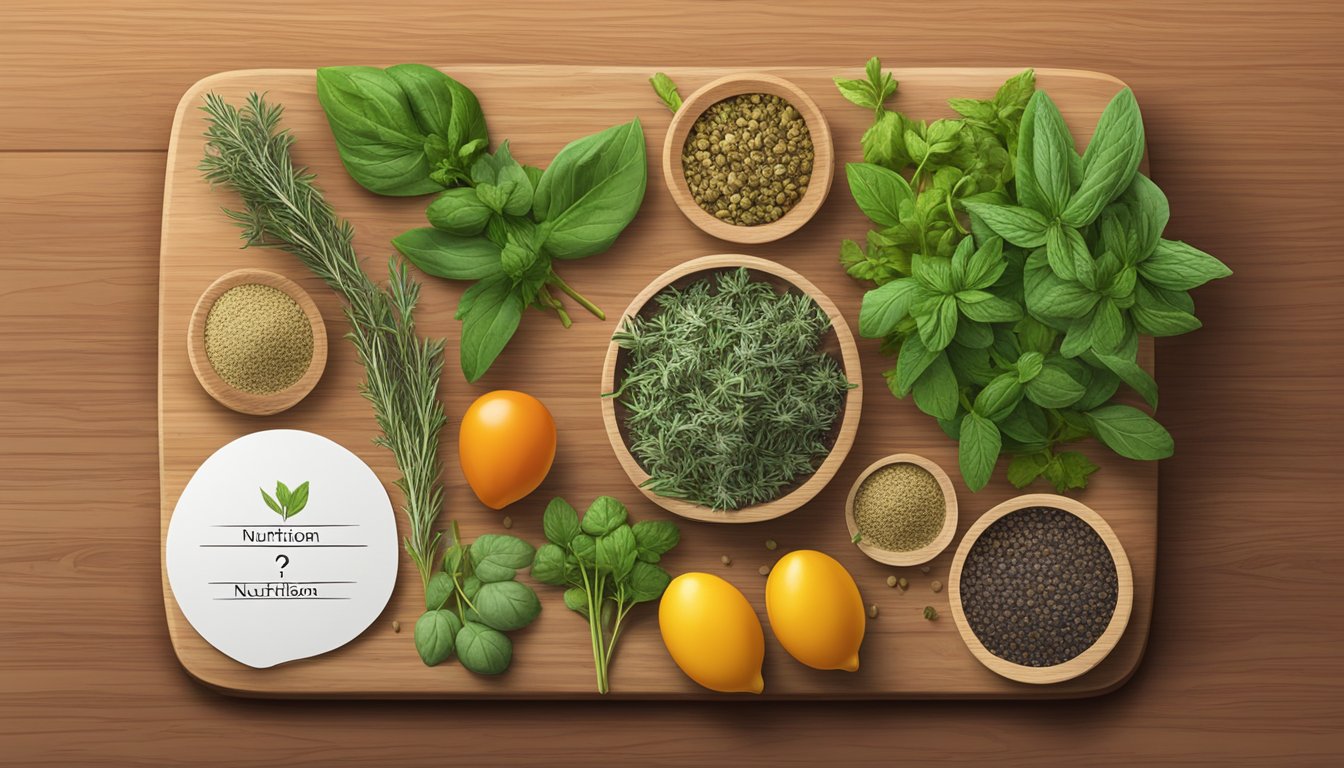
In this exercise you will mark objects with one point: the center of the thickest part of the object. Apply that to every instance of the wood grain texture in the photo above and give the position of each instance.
(838, 342)
(904, 655)
(1244, 662)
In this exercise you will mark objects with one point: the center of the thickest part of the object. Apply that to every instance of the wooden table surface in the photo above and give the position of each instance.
(1243, 108)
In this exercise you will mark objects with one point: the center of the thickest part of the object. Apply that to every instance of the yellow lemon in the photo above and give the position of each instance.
(815, 610)
(712, 633)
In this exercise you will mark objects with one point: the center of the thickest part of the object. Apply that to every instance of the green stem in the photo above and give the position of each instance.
(560, 283)
(593, 618)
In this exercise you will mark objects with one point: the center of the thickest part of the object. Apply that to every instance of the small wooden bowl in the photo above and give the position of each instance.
(237, 399)
(914, 556)
(823, 161)
(838, 341)
(1089, 658)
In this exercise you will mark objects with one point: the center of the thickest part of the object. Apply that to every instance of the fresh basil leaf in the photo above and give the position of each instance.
(1026, 424)
(483, 650)
(458, 212)
(884, 142)
(1020, 226)
(653, 538)
(647, 582)
(1069, 471)
(1025, 468)
(1101, 386)
(1035, 335)
(1108, 326)
(506, 605)
(666, 90)
(936, 391)
(438, 590)
(436, 636)
(986, 265)
(548, 567)
(1132, 374)
(1130, 432)
(933, 272)
(1029, 366)
(603, 516)
(973, 334)
(496, 557)
(560, 522)
(1052, 147)
(1110, 161)
(504, 173)
(937, 327)
(858, 92)
(988, 308)
(886, 306)
(1053, 388)
(430, 96)
(878, 191)
(1078, 337)
(616, 552)
(978, 450)
(282, 493)
(1151, 213)
(576, 600)
(999, 397)
(584, 548)
(911, 363)
(377, 136)
(591, 191)
(1179, 267)
(1155, 317)
(493, 312)
(454, 257)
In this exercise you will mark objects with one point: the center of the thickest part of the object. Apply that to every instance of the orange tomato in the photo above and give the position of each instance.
(505, 446)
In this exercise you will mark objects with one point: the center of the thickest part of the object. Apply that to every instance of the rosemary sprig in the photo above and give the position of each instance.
(728, 398)
(247, 152)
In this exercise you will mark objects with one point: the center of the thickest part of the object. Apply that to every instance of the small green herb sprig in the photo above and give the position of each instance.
(1014, 278)
(502, 225)
(286, 503)
(474, 600)
(666, 90)
(728, 397)
(608, 565)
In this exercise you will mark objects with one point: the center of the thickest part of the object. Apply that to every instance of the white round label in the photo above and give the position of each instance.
(282, 546)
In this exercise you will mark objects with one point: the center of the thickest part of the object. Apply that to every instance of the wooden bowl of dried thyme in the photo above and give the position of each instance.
(731, 391)
(1041, 589)
(902, 510)
(748, 158)
(256, 342)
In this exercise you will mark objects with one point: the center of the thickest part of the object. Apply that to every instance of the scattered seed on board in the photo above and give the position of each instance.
(930, 613)
(924, 569)
(764, 570)
(771, 545)
(396, 626)
(936, 586)
(872, 611)
(891, 581)
(726, 560)
(903, 584)
(508, 522)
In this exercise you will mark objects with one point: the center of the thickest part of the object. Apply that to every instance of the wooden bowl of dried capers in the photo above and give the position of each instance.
(748, 158)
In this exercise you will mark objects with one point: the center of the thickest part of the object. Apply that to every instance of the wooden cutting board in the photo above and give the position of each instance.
(539, 109)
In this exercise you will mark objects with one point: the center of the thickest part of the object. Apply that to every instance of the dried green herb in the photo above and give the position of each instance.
(728, 399)
(748, 159)
(900, 508)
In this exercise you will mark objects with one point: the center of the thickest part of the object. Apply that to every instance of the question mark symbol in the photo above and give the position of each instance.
(282, 565)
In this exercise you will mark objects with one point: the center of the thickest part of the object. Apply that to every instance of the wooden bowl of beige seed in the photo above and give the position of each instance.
(902, 510)
(256, 342)
(748, 158)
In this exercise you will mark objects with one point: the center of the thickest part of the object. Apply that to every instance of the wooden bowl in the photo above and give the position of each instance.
(237, 399)
(823, 162)
(1123, 604)
(839, 343)
(926, 552)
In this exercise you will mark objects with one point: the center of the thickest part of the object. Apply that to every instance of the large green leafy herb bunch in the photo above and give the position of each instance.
(1014, 276)
(411, 130)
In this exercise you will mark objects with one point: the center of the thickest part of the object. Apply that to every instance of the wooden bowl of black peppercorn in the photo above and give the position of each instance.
(1041, 589)
(757, 167)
